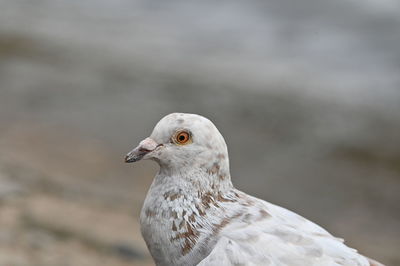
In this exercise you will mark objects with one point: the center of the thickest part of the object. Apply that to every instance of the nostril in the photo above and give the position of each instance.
(144, 150)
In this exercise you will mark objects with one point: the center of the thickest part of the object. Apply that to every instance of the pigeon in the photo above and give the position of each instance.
(193, 215)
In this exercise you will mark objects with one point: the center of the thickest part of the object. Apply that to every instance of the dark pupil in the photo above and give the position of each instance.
(182, 138)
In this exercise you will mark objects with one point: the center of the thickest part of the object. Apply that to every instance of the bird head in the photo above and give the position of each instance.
(181, 141)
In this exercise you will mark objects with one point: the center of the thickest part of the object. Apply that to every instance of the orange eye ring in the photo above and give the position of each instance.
(182, 138)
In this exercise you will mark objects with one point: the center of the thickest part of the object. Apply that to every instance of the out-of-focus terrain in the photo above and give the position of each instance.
(306, 95)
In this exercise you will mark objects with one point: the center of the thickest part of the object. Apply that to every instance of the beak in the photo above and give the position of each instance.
(145, 146)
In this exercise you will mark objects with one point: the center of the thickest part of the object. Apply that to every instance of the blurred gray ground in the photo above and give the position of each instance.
(306, 93)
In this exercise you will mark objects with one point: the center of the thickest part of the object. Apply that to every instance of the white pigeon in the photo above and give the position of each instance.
(192, 214)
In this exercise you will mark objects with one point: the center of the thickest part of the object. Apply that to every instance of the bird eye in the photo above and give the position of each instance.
(182, 137)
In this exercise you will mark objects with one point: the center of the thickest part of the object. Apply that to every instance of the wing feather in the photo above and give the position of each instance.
(283, 238)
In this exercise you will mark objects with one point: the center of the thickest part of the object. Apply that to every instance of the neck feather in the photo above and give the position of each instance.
(188, 203)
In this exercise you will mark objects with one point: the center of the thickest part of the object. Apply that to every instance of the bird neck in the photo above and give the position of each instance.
(187, 205)
(209, 177)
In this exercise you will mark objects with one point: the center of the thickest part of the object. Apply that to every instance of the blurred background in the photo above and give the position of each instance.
(306, 93)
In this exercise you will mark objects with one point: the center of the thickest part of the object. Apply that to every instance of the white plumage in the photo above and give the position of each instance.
(193, 215)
